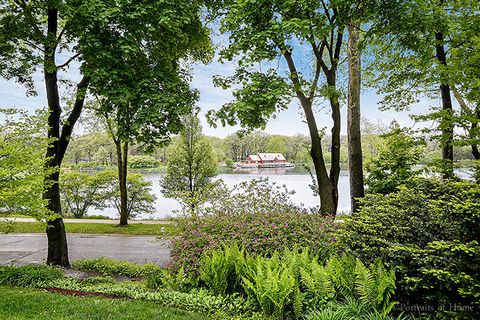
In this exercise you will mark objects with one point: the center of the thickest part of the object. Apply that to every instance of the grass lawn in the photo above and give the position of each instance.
(92, 228)
(38, 304)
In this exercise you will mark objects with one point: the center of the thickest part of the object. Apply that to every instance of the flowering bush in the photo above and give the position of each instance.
(257, 215)
(257, 233)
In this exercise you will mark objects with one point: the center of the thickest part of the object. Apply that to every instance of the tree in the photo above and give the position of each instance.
(297, 146)
(140, 200)
(32, 35)
(94, 146)
(282, 31)
(81, 191)
(372, 140)
(395, 163)
(94, 33)
(143, 99)
(191, 165)
(355, 156)
(22, 163)
(418, 44)
(276, 144)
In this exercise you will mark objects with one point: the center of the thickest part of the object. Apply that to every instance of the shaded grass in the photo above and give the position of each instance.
(38, 304)
(93, 228)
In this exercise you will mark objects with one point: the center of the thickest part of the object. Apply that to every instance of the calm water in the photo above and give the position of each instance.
(294, 179)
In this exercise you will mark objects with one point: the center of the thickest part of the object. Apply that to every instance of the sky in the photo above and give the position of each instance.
(287, 122)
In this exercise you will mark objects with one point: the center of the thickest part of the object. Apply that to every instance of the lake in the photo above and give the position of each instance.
(294, 179)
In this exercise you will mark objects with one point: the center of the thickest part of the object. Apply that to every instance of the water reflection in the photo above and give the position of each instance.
(296, 179)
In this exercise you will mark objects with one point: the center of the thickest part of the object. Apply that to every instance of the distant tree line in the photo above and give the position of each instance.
(97, 149)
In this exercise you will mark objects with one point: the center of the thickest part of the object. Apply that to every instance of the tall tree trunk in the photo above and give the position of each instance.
(326, 189)
(57, 239)
(335, 147)
(446, 124)
(122, 166)
(355, 157)
(335, 152)
(325, 185)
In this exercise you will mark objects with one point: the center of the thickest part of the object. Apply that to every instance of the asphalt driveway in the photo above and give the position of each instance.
(23, 249)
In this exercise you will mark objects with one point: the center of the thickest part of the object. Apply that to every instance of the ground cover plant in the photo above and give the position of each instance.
(107, 266)
(28, 276)
(293, 283)
(195, 300)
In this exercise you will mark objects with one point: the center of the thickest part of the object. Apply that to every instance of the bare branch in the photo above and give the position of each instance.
(63, 65)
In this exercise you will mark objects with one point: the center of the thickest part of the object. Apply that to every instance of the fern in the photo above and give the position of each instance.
(341, 271)
(271, 283)
(365, 285)
(375, 286)
(221, 269)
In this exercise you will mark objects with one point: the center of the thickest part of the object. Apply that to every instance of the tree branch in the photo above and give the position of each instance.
(338, 45)
(60, 36)
(463, 104)
(327, 13)
(63, 65)
(293, 73)
(319, 53)
(73, 117)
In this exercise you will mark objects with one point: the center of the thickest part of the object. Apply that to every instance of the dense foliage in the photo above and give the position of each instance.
(395, 161)
(255, 214)
(28, 276)
(22, 166)
(111, 267)
(191, 166)
(81, 191)
(428, 233)
(294, 282)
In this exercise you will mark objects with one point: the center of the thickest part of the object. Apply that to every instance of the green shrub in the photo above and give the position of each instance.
(428, 233)
(395, 162)
(258, 216)
(229, 163)
(28, 276)
(108, 266)
(142, 162)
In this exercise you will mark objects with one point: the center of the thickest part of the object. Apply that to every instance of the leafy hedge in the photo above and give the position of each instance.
(429, 234)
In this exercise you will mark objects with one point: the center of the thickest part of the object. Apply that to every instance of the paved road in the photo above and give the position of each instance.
(22, 249)
(112, 221)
